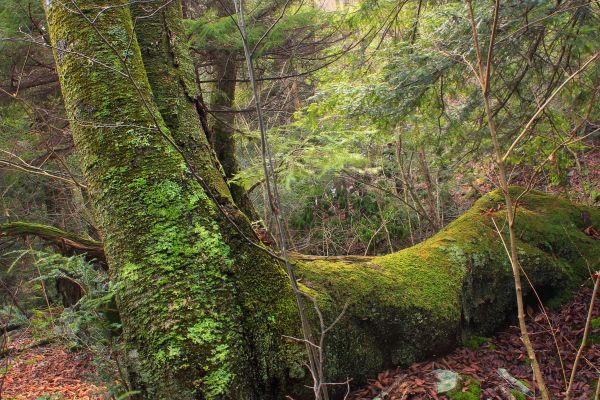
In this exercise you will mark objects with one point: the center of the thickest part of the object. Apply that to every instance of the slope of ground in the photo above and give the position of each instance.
(52, 372)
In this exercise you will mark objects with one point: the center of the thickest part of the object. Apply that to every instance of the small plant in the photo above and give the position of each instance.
(92, 323)
(42, 324)
(470, 392)
(11, 315)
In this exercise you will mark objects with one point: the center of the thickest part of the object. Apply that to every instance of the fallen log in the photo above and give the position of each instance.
(425, 300)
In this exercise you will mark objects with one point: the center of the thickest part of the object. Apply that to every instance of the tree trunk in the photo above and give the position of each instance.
(222, 131)
(431, 198)
(203, 310)
(222, 100)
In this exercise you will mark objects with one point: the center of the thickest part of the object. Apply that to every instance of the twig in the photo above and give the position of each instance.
(545, 104)
(484, 79)
(586, 331)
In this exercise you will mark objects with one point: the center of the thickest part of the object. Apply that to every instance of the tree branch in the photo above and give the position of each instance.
(66, 243)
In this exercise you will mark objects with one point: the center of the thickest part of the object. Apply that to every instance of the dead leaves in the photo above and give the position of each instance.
(47, 370)
(417, 382)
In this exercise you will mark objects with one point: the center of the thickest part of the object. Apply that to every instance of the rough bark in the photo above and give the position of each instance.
(199, 319)
(222, 101)
(203, 308)
(222, 132)
(251, 264)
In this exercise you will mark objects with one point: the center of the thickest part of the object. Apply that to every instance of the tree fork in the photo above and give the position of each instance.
(204, 312)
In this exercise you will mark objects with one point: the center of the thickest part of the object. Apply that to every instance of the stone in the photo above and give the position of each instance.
(514, 382)
(447, 380)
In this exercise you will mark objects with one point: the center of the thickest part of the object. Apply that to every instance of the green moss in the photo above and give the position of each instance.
(200, 319)
(518, 395)
(171, 75)
(474, 342)
(595, 323)
(424, 299)
(473, 392)
(203, 312)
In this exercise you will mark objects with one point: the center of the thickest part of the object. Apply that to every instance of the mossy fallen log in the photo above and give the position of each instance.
(425, 300)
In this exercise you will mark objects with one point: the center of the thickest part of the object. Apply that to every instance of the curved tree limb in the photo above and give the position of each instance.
(66, 243)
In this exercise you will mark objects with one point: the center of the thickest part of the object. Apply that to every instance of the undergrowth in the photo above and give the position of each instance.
(91, 324)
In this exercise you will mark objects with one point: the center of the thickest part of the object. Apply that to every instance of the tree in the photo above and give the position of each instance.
(166, 213)
(206, 309)
(221, 134)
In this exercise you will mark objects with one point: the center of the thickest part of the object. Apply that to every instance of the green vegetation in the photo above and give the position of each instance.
(474, 342)
(518, 395)
(472, 392)
(417, 296)
(134, 211)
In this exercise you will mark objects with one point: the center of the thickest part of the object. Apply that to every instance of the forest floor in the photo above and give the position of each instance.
(481, 360)
(48, 371)
(51, 371)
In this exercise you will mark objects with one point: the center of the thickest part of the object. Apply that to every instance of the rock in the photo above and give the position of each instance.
(447, 380)
(514, 382)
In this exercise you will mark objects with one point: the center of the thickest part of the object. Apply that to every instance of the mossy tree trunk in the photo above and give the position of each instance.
(204, 309)
(222, 132)
(222, 102)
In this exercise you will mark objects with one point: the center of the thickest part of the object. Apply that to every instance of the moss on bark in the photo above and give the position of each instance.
(198, 320)
(425, 299)
(66, 242)
(267, 309)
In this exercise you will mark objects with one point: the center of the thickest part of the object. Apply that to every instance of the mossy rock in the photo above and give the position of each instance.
(424, 300)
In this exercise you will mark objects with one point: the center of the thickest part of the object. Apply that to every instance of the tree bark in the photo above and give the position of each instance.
(66, 243)
(222, 100)
(203, 311)
(222, 132)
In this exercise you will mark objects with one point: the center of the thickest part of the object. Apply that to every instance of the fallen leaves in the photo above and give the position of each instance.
(44, 371)
(52, 370)
(505, 351)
